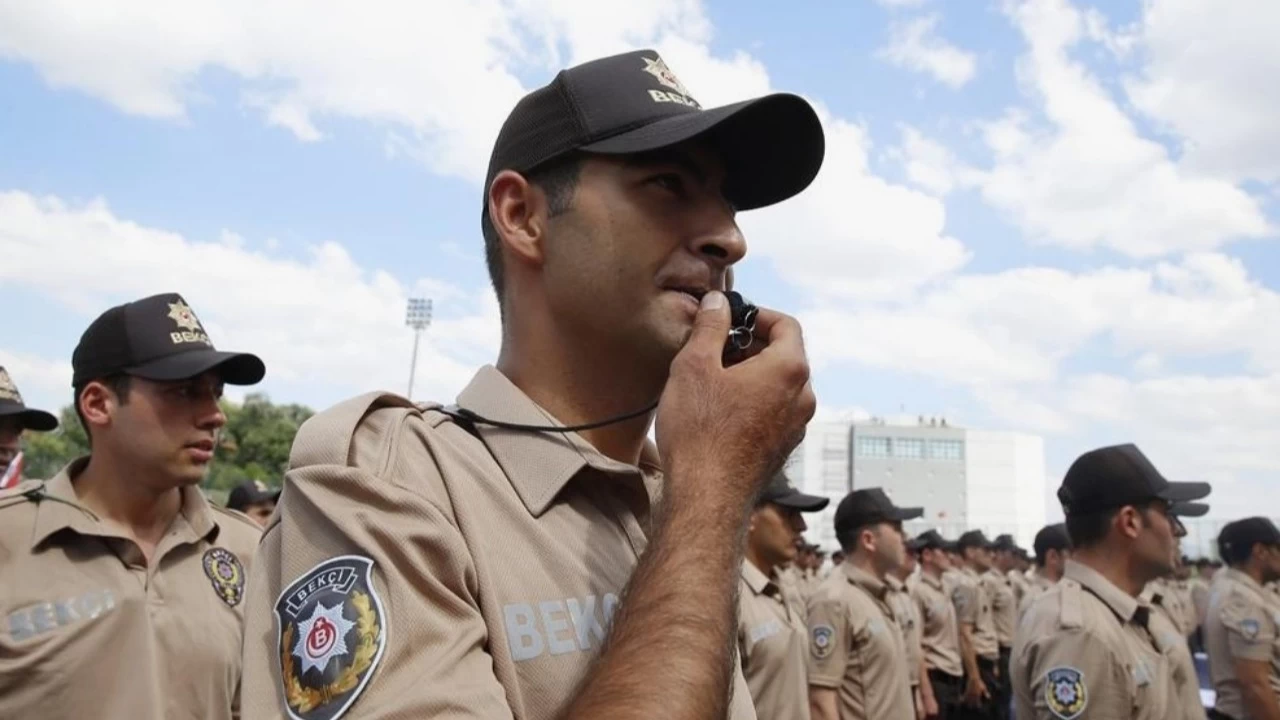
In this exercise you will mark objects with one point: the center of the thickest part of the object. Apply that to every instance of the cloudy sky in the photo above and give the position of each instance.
(1034, 215)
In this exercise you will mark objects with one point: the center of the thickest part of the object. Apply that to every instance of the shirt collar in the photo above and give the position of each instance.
(1244, 579)
(1121, 603)
(928, 579)
(756, 580)
(865, 580)
(64, 511)
(539, 464)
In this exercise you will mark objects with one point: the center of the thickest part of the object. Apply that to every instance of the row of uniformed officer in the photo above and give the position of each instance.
(121, 587)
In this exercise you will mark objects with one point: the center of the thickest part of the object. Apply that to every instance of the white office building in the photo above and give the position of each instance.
(962, 478)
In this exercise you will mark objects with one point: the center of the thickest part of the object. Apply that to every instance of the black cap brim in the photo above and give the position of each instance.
(802, 502)
(1182, 492)
(234, 368)
(910, 513)
(31, 419)
(1189, 509)
(772, 146)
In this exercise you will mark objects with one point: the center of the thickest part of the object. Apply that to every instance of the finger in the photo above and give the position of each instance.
(710, 328)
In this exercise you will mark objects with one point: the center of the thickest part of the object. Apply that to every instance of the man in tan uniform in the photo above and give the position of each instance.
(1164, 624)
(430, 562)
(15, 419)
(904, 609)
(1086, 648)
(939, 631)
(1008, 560)
(121, 587)
(1052, 548)
(857, 659)
(772, 634)
(979, 643)
(1242, 631)
(1004, 613)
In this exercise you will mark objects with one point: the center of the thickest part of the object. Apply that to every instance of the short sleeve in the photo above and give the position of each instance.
(363, 594)
(1070, 674)
(1250, 631)
(965, 597)
(829, 638)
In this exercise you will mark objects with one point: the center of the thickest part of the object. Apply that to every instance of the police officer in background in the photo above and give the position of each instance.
(772, 632)
(900, 582)
(121, 586)
(939, 631)
(979, 643)
(858, 658)
(1052, 548)
(1242, 630)
(1008, 560)
(1004, 613)
(1086, 648)
(255, 499)
(1165, 624)
(468, 562)
(16, 418)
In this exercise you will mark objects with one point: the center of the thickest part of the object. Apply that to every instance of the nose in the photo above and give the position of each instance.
(798, 523)
(717, 239)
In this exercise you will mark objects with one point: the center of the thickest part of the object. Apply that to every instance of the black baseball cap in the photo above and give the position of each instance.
(1119, 475)
(930, 540)
(779, 491)
(156, 338)
(1236, 540)
(1051, 537)
(1005, 542)
(869, 506)
(973, 538)
(1189, 509)
(772, 146)
(11, 406)
(252, 492)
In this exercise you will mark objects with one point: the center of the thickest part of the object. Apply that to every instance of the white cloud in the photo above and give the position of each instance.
(915, 45)
(1087, 178)
(1210, 76)
(325, 326)
(928, 164)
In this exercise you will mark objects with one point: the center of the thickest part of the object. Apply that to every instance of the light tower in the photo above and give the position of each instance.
(418, 317)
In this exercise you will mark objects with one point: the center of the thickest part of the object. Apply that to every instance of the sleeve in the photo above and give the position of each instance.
(1072, 674)
(965, 597)
(363, 597)
(1250, 632)
(743, 633)
(829, 640)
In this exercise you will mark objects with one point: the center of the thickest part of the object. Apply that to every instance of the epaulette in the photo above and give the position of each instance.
(325, 438)
(1070, 597)
(23, 492)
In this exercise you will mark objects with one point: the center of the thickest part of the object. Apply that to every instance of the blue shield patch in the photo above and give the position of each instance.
(1064, 692)
(331, 632)
(1250, 628)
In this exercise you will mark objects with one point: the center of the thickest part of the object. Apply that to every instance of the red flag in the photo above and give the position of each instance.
(13, 474)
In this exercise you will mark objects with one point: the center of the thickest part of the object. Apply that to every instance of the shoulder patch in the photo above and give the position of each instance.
(331, 631)
(1064, 692)
(823, 640)
(1250, 628)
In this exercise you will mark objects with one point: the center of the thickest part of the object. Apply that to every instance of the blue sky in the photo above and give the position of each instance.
(1028, 220)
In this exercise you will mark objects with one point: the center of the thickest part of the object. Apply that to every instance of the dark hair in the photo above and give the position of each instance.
(1091, 529)
(558, 179)
(119, 384)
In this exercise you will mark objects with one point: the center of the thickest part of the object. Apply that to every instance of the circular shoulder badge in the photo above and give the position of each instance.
(1250, 628)
(823, 640)
(226, 573)
(1064, 692)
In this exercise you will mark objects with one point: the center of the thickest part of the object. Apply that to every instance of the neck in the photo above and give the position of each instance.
(932, 571)
(1115, 567)
(756, 558)
(866, 564)
(126, 499)
(1053, 574)
(1253, 570)
(578, 388)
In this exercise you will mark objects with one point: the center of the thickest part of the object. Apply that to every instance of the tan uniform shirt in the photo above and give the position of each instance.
(414, 569)
(950, 579)
(856, 647)
(1037, 585)
(772, 639)
(904, 609)
(1084, 649)
(91, 630)
(1019, 583)
(1004, 605)
(940, 633)
(1176, 601)
(973, 607)
(1242, 624)
(1200, 598)
(1186, 682)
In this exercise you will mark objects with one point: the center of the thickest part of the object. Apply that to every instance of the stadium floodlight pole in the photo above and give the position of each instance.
(418, 317)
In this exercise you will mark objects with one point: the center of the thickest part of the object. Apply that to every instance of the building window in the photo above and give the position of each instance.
(946, 450)
(874, 447)
(909, 448)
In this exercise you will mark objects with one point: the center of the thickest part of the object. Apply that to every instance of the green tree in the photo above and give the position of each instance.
(45, 454)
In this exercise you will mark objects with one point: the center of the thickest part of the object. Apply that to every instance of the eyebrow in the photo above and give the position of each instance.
(666, 156)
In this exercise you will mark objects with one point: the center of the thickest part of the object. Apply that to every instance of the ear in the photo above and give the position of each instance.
(1129, 521)
(518, 212)
(867, 539)
(97, 404)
